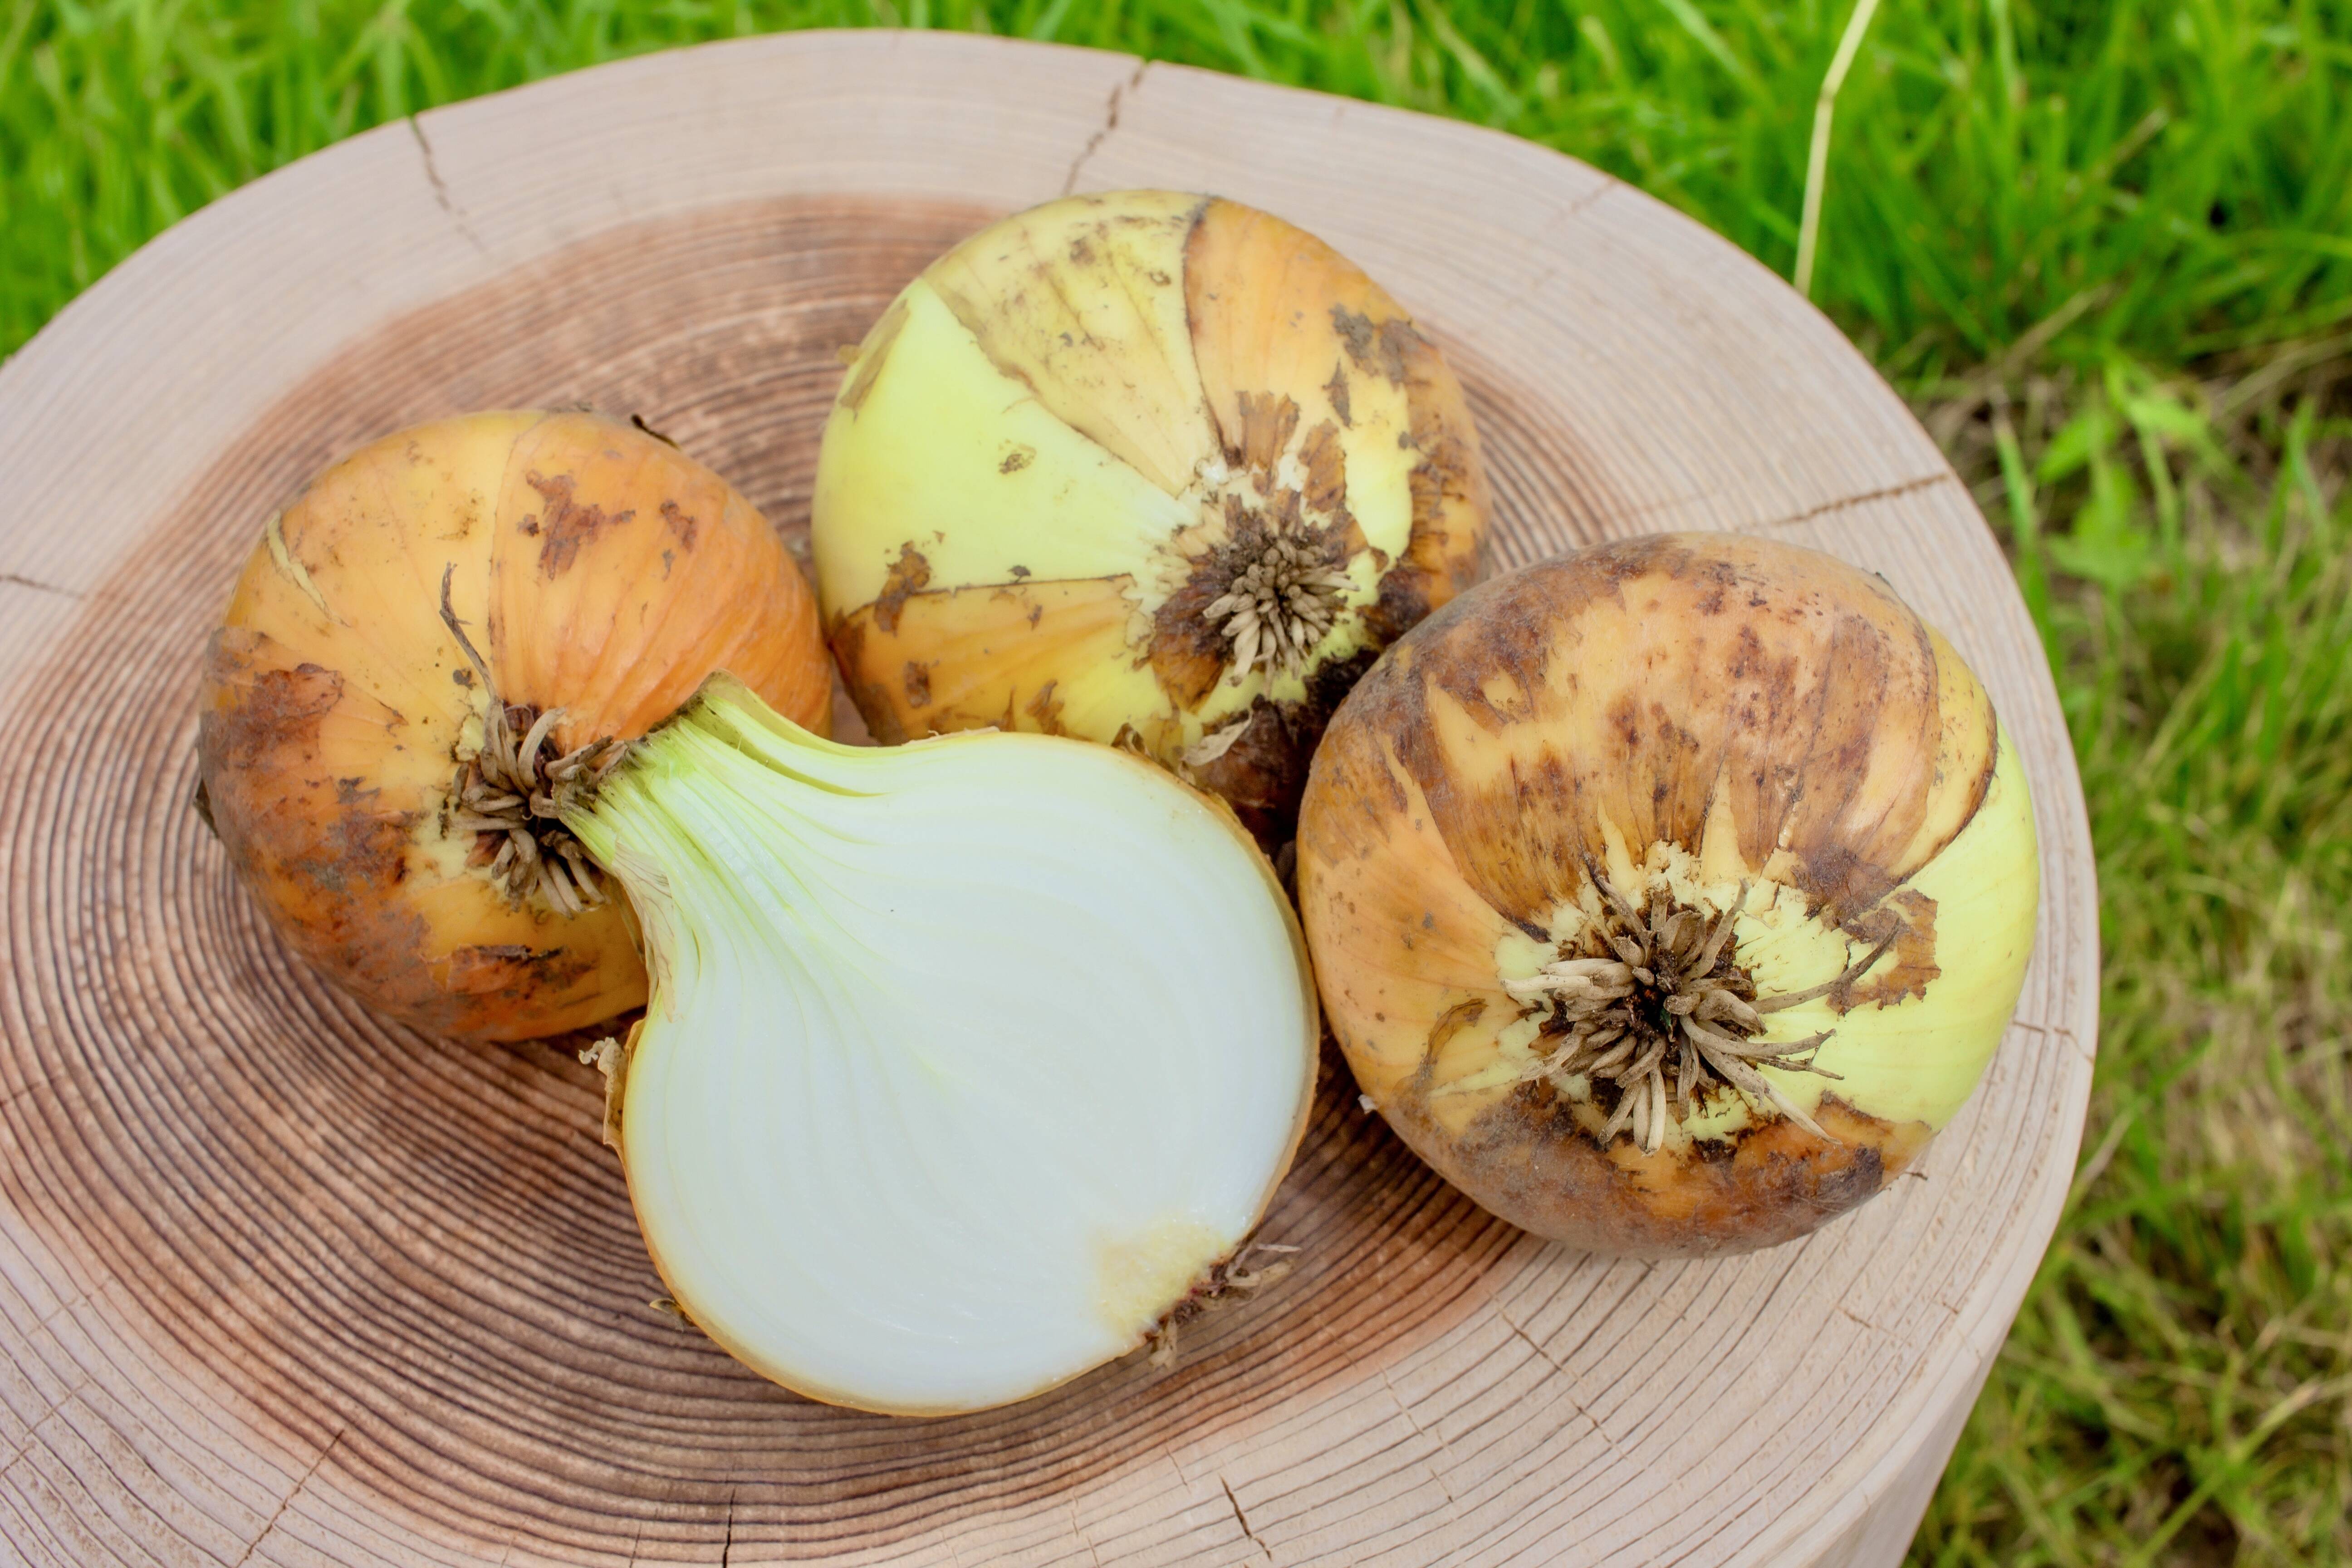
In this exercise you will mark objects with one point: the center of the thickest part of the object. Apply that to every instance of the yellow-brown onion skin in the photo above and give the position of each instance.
(1771, 712)
(595, 569)
(979, 572)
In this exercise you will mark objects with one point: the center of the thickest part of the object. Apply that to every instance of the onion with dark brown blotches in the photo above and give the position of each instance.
(1147, 468)
(1669, 896)
(431, 652)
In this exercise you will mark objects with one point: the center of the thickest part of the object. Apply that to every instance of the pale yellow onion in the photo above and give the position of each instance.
(1147, 468)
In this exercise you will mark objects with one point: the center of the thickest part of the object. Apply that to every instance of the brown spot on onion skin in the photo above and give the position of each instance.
(1336, 389)
(1403, 605)
(279, 711)
(1044, 710)
(1377, 347)
(1452, 1021)
(327, 858)
(1450, 495)
(1327, 468)
(1909, 917)
(916, 679)
(1187, 652)
(1268, 420)
(511, 968)
(566, 525)
(908, 574)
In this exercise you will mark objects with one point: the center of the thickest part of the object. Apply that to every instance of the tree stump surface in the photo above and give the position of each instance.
(282, 1284)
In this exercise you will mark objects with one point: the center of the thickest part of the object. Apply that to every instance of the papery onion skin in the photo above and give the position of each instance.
(595, 569)
(1700, 714)
(1060, 449)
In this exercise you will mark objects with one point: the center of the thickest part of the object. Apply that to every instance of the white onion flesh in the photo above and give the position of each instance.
(965, 1060)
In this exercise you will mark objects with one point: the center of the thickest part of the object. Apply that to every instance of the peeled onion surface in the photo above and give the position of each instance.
(966, 1061)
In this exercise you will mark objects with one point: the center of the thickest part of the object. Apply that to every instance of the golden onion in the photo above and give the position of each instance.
(1147, 469)
(1669, 896)
(435, 646)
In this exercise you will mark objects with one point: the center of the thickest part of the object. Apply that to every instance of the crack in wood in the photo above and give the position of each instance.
(1886, 492)
(441, 189)
(1094, 1552)
(1242, 1520)
(2088, 1052)
(40, 587)
(1544, 280)
(1110, 123)
(288, 1500)
(1529, 1341)
(1423, 1433)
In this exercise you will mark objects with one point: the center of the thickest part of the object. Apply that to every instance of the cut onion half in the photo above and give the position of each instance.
(966, 1062)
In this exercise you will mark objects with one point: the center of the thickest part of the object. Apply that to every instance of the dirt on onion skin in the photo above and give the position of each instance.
(331, 859)
(1302, 361)
(1674, 690)
(1531, 1160)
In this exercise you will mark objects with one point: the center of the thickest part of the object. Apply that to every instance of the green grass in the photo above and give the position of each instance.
(2105, 246)
(2179, 1388)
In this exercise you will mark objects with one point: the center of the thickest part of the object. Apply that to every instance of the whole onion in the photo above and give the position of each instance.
(1667, 897)
(438, 642)
(1148, 468)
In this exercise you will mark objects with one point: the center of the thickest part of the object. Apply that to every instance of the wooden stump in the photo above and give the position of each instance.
(281, 1284)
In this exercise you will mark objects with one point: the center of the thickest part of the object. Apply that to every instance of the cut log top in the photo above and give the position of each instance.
(280, 1284)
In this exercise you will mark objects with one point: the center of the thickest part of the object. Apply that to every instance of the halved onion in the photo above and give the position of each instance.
(967, 1061)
